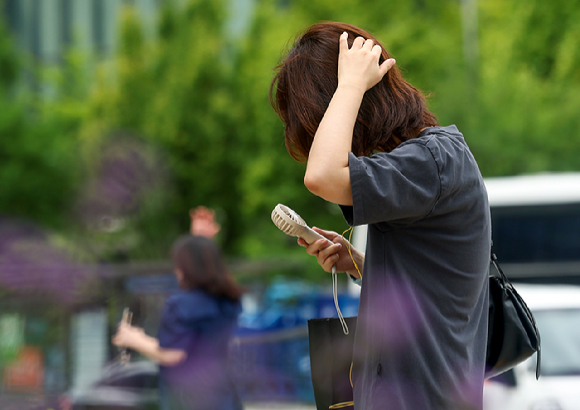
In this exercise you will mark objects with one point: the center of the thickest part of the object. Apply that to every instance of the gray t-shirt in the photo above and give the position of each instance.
(421, 335)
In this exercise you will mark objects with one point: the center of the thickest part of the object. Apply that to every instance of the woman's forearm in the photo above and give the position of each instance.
(149, 347)
(327, 173)
(135, 338)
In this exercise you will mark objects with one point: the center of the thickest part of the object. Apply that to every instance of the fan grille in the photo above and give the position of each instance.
(287, 220)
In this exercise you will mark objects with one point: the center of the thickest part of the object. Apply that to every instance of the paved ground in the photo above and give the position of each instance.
(33, 404)
(279, 406)
(15, 402)
(10, 402)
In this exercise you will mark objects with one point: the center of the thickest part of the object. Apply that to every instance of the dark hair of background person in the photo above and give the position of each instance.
(391, 112)
(200, 260)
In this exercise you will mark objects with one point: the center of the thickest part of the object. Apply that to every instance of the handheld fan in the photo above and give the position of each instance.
(292, 224)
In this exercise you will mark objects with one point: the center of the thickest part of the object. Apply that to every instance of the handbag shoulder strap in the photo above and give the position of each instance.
(528, 312)
(495, 263)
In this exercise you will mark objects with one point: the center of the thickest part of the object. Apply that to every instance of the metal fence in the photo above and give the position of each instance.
(273, 366)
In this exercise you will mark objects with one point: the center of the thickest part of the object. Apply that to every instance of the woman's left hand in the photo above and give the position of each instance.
(358, 65)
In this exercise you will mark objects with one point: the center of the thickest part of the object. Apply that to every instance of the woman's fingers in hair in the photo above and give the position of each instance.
(368, 44)
(343, 42)
(358, 42)
(386, 66)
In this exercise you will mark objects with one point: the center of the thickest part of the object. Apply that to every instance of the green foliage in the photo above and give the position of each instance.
(9, 64)
(185, 119)
(527, 120)
(185, 110)
(37, 163)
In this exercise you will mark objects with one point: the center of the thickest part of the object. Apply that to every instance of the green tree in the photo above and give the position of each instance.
(529, 87)
(172, 96)
(36, 152)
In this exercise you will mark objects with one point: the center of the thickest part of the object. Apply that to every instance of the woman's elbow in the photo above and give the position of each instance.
(334, 188)
(172, 357)
(314, 183)
(319, 181)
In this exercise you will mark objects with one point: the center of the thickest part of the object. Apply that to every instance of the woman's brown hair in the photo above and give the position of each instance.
(391, 112)
(200, 260)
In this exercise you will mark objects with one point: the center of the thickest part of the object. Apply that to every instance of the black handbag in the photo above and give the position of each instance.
(513, 335)
(331, 362)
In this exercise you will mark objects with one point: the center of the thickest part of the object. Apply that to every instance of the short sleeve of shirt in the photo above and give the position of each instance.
(174, 333)
(182, 315)
(402, 185)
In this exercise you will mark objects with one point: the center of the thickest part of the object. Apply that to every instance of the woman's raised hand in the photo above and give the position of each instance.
(358, 65)
(203, 222)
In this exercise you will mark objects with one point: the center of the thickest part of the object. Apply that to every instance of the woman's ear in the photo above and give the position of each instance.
(179, 276)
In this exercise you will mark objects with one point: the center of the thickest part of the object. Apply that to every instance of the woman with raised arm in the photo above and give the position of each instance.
(371, 146)
(196, 326)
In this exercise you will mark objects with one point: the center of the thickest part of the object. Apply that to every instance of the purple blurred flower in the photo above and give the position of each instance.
(30, 265)
(127, 170)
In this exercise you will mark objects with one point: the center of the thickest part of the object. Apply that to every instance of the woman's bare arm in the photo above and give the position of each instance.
(327, 172)
(136, 339)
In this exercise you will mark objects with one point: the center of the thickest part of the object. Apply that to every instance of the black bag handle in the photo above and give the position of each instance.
(508, 284)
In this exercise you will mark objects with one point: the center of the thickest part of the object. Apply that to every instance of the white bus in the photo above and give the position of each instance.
(536, 226)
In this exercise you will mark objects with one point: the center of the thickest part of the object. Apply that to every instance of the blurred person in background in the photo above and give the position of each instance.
(197, 323)
(371, 146)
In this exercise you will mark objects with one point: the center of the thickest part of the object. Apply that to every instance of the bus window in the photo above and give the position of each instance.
(536, 219)
(546, 233)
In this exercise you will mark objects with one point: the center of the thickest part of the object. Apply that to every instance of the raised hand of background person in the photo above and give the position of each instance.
(203, 222)
(336, 253)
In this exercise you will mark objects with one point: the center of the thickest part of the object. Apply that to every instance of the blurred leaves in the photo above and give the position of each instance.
(527, 120)
(127, 146)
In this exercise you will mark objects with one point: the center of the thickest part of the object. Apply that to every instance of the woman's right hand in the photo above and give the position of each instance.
(128, 336)
(334, 253)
